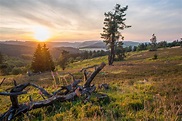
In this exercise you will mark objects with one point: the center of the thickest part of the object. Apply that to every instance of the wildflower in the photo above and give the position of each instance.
(57, 73)
(52, 73)
(40, 92)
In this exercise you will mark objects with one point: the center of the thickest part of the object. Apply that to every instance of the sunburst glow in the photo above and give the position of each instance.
(41, 34)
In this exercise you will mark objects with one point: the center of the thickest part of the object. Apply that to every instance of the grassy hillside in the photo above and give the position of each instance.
(141, 88)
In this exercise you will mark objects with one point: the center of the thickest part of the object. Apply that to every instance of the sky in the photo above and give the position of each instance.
(82, 20)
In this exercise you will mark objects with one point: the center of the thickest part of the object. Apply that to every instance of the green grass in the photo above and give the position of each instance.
(88, 62)
(140, 89)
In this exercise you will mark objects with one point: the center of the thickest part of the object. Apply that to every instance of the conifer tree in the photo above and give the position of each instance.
(120, 51)
(63, 59)
(37, 64)
(153, 43)
(42, 60)
(113, 22)
(48, 63)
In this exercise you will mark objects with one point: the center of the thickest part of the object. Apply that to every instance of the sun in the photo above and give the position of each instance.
(41, 34)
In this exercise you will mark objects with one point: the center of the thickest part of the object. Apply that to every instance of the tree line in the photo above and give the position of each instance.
(66, 57)
(42, 60)
(147, 46)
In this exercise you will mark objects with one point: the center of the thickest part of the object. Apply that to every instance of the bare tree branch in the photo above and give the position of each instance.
(43, 91)
(68, 88)
(14, 82)
(2, 81)
(89, 80)
(12, 94)
(94, 66)
(73, 90)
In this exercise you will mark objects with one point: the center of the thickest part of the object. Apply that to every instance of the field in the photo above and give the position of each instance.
(140, 88)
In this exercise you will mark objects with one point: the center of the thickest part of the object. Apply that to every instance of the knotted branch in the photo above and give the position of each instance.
(71, 91)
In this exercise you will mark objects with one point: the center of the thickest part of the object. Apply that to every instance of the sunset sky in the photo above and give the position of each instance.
(82, 20)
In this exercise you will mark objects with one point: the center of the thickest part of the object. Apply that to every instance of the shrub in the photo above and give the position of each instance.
(155, 56)
(16, 71)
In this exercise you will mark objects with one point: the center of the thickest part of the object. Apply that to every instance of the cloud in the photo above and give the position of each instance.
(86, 16)
(57, 13)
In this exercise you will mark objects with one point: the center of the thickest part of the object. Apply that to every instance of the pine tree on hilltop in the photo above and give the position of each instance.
(42, 60)
(113, 22)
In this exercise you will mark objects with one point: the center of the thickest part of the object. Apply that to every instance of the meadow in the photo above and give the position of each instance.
(140, 88)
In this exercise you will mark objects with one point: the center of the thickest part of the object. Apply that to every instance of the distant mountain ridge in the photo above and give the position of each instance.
(93, 44)
(18, 48)
(85, 44)
(101, 44)
(130, 43)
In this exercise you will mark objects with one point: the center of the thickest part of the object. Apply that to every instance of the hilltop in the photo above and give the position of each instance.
(140, 88)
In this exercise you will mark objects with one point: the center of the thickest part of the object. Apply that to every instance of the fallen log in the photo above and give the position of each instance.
(73, 90)
(68, 88)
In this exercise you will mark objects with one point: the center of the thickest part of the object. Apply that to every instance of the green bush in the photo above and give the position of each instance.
(155, 56)
(16, 71)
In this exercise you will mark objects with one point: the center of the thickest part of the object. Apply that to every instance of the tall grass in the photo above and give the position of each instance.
(139, 89)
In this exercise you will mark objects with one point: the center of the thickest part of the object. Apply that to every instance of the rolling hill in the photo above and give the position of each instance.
(85, 44)
(140, 88)
(18, 50)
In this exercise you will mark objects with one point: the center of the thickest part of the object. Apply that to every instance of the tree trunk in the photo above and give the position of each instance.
(112, 54)
(109, 59)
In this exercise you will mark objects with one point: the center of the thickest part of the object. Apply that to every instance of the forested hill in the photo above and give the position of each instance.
(84, 44)
(19, 50)
(16, 50)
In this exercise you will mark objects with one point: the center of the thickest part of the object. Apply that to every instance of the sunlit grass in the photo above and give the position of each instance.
(88, 62)
(140, 89)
